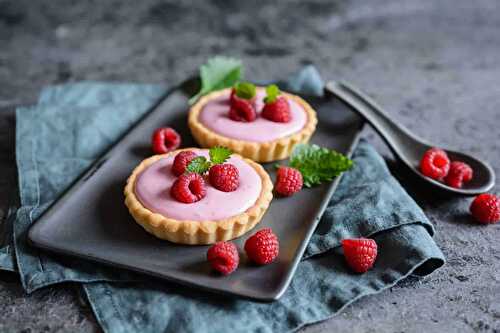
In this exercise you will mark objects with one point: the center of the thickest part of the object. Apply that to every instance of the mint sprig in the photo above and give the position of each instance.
(219, 155)
(245, 90)
(201, 164)
(272, 93)
(317, 164)
(218, 73)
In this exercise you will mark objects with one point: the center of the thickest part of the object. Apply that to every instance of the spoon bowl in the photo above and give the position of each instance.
(408, 147)
(483, 178)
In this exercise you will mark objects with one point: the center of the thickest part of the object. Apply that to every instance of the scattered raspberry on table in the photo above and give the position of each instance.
(288, 181)
(486, 208)
(360, 253)
(165, 139)
(223, 257)
(263, 247)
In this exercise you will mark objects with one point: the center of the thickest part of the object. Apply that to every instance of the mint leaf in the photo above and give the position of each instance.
(198, 165)
(318, 165)
(272, 92)
(245, 90)
(201, 164)
(218, 73)
(219, 155)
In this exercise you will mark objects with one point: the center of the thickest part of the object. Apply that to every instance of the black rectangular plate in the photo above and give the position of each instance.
(91, 221)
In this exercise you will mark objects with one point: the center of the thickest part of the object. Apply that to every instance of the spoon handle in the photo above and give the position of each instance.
(403, 143)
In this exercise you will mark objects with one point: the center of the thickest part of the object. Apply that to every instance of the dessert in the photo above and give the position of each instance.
(194, 211)
(254, 123)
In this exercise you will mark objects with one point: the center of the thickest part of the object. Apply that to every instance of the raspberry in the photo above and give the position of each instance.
(189, 188)
(360, 253)
(241, 110)
(263, 247)
(224, 257)
(288, 181)
(224, 177)
(435, 164)
(277, 111)
(486, 208)
(459, 173)
(165, 139)
(233, 94)
(181, 161)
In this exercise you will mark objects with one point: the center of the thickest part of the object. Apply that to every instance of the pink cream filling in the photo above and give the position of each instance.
(215, 117)
(153, 184)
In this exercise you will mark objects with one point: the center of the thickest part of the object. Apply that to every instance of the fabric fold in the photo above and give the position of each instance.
(368, 200)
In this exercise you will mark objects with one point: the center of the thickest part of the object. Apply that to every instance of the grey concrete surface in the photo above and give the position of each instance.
(435, 66)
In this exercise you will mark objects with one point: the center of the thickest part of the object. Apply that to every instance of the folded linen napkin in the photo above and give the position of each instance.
(72, 124)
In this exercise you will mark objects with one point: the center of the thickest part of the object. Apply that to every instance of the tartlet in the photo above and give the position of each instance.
(199, 230)
(282, 136)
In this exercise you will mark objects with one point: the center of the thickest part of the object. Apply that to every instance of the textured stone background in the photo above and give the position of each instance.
(434, 65)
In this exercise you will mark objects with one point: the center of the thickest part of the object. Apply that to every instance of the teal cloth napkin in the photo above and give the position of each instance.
(73, 124)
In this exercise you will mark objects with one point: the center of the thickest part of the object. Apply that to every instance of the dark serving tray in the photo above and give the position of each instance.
(90, 219)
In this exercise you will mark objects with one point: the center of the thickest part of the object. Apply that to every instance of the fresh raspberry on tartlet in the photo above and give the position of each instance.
(165, 139)
(181, 161)
(276, 107)
(242, 103)
(224, 177)
(189, 188)
(223, 257)
(263, 247)
(242, 110)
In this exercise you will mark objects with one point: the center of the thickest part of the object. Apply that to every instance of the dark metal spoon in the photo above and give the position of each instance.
(408, 147)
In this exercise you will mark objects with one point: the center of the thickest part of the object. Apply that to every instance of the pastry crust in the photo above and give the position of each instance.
(197, 232)
(269, 151)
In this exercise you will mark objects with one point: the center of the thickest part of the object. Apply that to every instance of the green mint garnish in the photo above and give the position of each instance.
(219, 155)
(272, 93)
(245, 90)
(317, 164)
(218, 73)
(201, 165)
